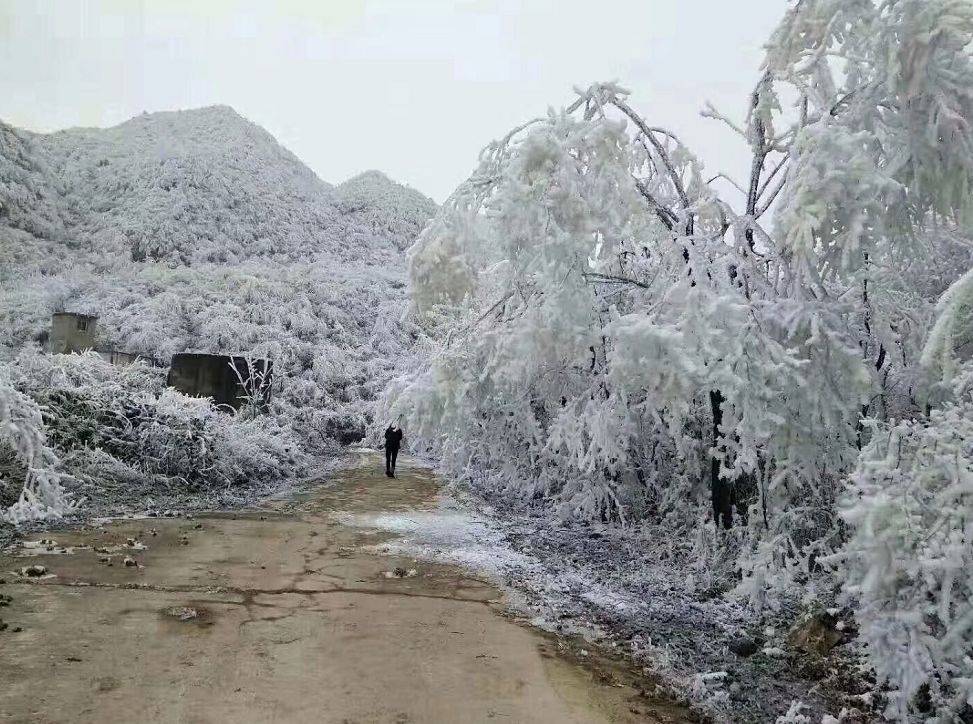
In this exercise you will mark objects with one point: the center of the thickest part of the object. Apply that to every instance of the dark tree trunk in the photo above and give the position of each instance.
(721, 490)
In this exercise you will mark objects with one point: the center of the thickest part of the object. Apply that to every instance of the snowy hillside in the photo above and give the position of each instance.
(196, 231)
(187, 187)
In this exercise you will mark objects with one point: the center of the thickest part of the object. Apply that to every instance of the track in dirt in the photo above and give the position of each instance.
(284, 614)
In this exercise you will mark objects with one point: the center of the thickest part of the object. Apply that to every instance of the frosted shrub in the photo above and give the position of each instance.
(123, 422)
(22, 429)
(910, 558)
(188, 439)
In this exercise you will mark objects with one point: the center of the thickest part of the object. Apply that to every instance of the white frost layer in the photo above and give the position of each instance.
(453, 535)
(446, 534)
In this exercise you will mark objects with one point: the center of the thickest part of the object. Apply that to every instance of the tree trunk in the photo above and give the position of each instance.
(721, 490)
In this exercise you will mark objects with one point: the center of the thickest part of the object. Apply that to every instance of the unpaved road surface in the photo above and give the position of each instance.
(283, 614)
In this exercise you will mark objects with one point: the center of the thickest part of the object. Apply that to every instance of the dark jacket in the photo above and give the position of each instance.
(393, 438)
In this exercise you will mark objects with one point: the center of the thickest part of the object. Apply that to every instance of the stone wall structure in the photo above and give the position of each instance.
(213, 375)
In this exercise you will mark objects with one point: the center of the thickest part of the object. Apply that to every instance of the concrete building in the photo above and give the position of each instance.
(213, 375)
(71, 332)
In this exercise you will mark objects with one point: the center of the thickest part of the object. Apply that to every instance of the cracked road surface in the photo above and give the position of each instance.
(279, 615)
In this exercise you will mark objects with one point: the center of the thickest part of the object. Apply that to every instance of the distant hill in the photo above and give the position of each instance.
(387, 209)
(187, 187)
(196, 231)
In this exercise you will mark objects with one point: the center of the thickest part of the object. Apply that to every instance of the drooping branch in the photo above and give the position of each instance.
(663, 155)
(665, 215)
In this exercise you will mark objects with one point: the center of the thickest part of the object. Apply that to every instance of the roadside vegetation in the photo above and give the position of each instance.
(770, 367)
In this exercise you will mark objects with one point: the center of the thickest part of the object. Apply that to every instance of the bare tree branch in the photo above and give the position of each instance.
(727, 178)
(710, 111)
(772, 174)
(612, 279)
(664, 214)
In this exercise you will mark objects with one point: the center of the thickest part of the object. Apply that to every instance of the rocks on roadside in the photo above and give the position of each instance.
(400, 572)
(817, 633)
(5, 600)
(812, 668)
(182, 613)
(35, 571)
(131, 562)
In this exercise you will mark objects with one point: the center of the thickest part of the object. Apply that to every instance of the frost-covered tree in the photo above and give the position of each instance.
(909, 562)
(620, 334)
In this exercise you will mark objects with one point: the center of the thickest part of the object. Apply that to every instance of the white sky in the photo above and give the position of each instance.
(414, 88)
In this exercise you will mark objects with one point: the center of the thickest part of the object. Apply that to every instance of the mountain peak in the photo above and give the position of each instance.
(386, 207)
(370, 176)
(194, 186)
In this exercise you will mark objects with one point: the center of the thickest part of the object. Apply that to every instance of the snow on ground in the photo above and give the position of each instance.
(449, 534)
(594, 581)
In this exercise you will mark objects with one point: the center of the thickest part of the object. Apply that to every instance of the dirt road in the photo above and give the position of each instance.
(279, 615)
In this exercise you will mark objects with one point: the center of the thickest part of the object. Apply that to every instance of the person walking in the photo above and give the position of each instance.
(393, 439)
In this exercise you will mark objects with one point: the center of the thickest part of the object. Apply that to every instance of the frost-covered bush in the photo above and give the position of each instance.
(909, 563)
(186, 438)
(122, 422)
(22, 431)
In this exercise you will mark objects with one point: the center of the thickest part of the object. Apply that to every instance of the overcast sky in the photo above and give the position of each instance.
(414, 88)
